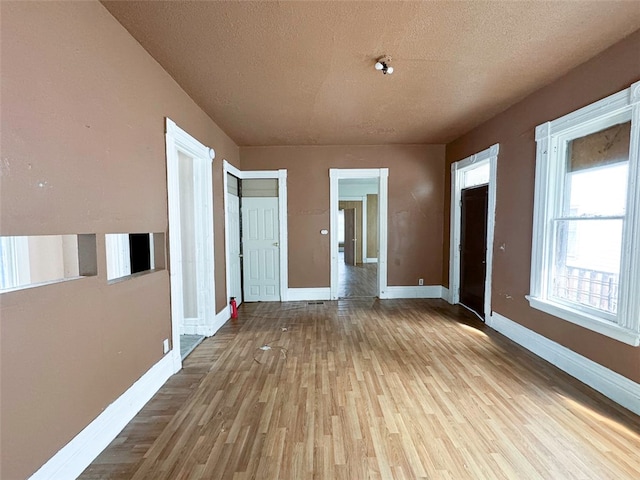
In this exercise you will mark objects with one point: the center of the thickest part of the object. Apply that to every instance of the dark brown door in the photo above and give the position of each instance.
(350, 236)
(473, 247)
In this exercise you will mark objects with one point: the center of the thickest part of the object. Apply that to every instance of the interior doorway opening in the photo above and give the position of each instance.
(190, 198)
(358, 214)
(357, 237)
(256, 234)
(473, 203)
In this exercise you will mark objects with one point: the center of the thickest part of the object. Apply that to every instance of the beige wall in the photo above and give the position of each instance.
(609, 72)
(83, 151)
(416, 178)
(52, 257)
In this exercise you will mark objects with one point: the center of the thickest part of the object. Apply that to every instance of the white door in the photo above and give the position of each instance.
(261, 249)
(235, 278)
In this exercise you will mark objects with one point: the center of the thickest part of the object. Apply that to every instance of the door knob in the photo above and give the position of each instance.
(276, 244)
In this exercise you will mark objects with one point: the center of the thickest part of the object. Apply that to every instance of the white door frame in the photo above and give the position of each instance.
(382, 174)
(490, 156)
(281, 176)
(228, 198)
(177, 140)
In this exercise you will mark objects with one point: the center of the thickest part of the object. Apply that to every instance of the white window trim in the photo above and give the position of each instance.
(118, 255)
(15, 259)
(549, 138)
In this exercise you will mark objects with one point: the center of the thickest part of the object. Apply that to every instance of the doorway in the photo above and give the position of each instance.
(358, 251)
(232, 238)
(473, 201)
(473, 247)
(359, 246)
(190, 198)
(260, 239)
(349, 239)
(256, 234)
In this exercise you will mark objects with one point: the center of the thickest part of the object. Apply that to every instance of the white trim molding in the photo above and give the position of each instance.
(551, 140)
(611, 384)
(446, 295)
(281, 176)
(14, 255)
(302, 294)
(284, 234)
(221, 318)
(382, 174)
(458, 169)
(78, 454)
(178, 140)
(209, 330)
(422, 291)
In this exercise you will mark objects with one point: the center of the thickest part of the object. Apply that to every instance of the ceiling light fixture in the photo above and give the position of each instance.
(383, 65)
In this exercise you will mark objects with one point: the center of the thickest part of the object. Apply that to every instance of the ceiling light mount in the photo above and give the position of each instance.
(382, 64)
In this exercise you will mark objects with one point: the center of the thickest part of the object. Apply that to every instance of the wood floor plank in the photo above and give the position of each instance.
(364, 389)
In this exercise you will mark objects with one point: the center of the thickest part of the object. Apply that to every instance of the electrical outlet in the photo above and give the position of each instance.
(421, 281)
(165, 345)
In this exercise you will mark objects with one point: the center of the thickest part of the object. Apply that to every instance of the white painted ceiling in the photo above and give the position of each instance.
(301, 73)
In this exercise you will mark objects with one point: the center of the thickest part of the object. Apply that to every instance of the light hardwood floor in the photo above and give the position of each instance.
(357, 281)
(359, 389)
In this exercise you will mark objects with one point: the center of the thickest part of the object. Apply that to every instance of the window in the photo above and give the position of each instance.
(130, 253)
(476, 176)
(29, 261)
(585, 264)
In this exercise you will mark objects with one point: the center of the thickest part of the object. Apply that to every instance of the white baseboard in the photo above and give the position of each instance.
(205, 330)
(208, 330)
(221, 318)
(302, 294)
(76, 455)
(370, 260)
(611, 384)
(424, 291)
(446, 295)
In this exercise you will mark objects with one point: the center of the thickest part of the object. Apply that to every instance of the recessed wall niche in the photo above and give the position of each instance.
(130, 254)
(36, 260)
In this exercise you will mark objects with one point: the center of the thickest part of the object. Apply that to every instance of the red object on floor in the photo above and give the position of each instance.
(234, 308)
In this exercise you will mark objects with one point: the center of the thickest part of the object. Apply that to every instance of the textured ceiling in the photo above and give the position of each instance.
(301, 73)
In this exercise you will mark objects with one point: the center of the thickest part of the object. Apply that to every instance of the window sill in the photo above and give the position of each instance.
(41, 284)
(111, 281)
(587, 321)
